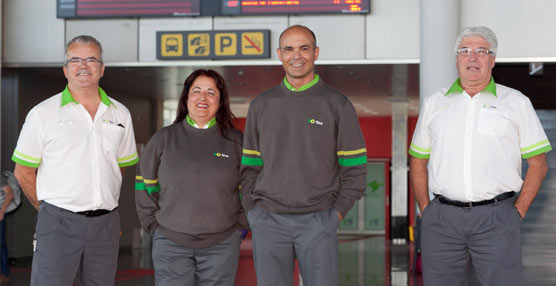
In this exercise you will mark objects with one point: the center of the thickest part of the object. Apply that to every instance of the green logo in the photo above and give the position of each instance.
(218, 154)
(374, 185)
(314, 121)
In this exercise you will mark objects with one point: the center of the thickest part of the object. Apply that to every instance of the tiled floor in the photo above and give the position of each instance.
(364, 261)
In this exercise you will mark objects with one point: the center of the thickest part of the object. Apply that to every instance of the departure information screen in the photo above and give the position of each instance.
(181, 8)
(249, 7)
(127, 8)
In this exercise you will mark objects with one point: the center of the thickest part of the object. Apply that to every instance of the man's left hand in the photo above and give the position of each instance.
(521, 215)
(340, 215)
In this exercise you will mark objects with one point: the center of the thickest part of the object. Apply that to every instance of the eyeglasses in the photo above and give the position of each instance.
(479, 52)
(78, 61)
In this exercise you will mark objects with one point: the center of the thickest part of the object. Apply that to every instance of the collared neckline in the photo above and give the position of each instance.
(304, 87)
(191, 122)
(456, 87)
(67, 97)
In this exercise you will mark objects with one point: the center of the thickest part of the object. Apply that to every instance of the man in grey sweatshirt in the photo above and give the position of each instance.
(304, 165)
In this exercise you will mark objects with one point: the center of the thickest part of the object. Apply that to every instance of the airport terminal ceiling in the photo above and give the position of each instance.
(372, 88)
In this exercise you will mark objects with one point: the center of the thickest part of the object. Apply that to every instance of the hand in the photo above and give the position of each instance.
(1, 215)
(340, 215)
(521, 215)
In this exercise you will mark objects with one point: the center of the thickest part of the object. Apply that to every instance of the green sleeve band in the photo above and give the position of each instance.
(544, 142)
(537, 152)
(352, 161)
(25, 163)
(418, 155)
(251, 161)
(154, 189)
(140, 186)
(130, 163)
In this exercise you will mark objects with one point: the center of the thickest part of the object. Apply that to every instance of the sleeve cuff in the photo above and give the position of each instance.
(128, 161)
(536, 152)
(25, 163)
(418, 155)
(343, 205)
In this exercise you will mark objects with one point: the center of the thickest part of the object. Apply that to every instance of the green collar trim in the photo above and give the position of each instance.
(67, 97)
(456, 87)
(305, 87)
(190, 121)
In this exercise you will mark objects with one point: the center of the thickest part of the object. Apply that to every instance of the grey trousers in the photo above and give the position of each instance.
(175, 265)
(280, 238)
(486, 237)
(68, 242)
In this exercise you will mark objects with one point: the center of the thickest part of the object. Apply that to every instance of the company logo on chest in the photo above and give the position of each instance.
(314, 121)
(221, 155)
(489, 106)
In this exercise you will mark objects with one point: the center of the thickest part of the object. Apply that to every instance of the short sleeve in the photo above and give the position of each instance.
(30, 145)
(532, 138)
(127, 151)
(421, 143)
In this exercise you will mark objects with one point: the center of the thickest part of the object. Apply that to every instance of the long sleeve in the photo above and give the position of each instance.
(352, 157)
(146, 185)
(251, 160)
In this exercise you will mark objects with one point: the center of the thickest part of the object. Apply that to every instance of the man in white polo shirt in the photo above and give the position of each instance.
(473, 136)
(80, 140)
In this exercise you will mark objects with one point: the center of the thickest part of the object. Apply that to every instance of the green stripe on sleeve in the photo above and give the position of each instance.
(130, 163)
(251, 161)
(422, 150)
(140, 186)
(544, 142)
(154, 189)
(352, 161)
(25, 163)
(128, 157)
(29, 158)
(418, 155)
(537, 152)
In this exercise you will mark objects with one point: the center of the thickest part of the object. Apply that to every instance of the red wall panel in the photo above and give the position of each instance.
(377, 132)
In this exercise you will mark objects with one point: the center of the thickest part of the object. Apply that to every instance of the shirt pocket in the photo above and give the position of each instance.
(492, 122)
(111, 137)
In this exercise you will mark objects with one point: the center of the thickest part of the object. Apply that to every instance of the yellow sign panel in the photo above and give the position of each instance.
(225, 44)
(172, 45)
(198, 44)
(252, 43)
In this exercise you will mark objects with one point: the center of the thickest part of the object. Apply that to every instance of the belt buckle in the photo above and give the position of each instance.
(469, 205)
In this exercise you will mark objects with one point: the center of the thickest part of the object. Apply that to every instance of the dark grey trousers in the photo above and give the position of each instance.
(485, 237)
(176, 265)
(280, 238)
(68, 242)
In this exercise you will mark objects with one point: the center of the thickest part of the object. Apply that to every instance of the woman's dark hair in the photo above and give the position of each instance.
(224, 117)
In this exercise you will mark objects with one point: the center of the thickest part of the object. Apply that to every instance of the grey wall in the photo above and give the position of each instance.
(390, 33)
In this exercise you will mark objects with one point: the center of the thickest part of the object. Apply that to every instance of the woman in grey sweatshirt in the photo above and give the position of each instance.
(187, 185)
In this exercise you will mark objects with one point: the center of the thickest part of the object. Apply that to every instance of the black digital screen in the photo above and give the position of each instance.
(127, 8)
(251, 7)
(177, 8)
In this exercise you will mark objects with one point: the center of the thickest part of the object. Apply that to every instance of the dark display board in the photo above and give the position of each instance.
(180, 8)
(249, 7)
(127, 8)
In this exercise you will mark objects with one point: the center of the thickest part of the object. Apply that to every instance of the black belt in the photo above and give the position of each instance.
(498, 198)
(94, 213)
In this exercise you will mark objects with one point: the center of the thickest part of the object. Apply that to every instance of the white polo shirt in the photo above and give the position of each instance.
(475, 145)
(78, 159)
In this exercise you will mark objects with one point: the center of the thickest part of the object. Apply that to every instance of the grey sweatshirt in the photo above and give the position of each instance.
(187, 185)
(303, 151)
